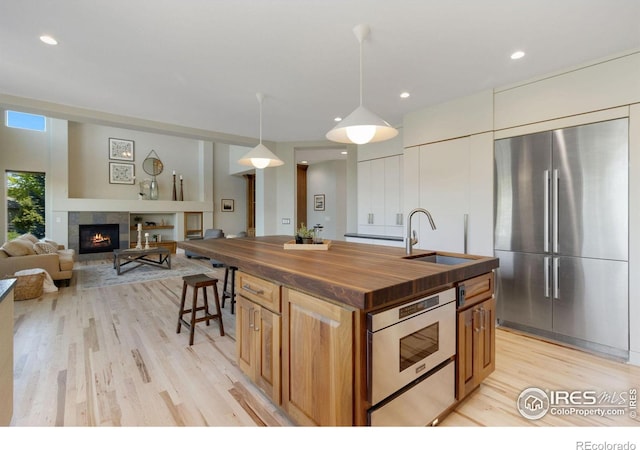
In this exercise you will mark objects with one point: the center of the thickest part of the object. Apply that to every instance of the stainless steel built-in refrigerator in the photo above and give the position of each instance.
(561, 234)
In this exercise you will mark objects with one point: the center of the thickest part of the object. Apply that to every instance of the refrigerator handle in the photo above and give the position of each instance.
(556, 182)
(546, 210)
(546, 277)
(556, 281)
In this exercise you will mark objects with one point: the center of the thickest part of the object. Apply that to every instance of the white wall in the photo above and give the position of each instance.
(89, 163)
(228, 186)
(328, 178)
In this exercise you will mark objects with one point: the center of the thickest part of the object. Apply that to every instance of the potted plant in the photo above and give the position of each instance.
(304, 235)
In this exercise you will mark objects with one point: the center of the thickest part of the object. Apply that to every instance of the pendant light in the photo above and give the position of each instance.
(361, 126)
(260, 157)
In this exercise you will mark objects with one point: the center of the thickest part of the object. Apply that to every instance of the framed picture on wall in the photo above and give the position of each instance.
(318, 202)
(121, 173)
(226, 205)
(121, 149)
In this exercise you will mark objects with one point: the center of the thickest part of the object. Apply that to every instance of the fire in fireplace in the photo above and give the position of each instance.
(99, 238)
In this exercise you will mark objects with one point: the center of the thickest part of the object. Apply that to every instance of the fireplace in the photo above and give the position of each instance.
(99, 238)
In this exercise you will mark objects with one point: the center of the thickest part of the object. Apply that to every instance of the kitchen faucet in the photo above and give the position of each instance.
(411, 241)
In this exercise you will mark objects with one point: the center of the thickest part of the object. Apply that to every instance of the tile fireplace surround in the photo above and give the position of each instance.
(96, 217)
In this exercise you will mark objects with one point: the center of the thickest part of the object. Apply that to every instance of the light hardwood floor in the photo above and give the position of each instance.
(111, 357)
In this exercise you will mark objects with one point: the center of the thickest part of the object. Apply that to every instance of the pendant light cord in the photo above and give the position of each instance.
(260, 98)
(361, 77)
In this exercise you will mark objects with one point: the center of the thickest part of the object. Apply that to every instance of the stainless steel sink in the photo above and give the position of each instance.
(437, 258)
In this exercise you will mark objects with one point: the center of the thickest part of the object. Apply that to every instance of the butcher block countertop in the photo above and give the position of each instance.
(363, 276)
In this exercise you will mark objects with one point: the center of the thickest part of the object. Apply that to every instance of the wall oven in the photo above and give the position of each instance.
(410, 360)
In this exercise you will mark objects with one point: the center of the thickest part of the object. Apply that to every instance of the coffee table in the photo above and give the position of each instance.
(122, 257)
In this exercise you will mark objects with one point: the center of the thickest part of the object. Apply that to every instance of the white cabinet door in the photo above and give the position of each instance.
(456, 180)
(393, 215)
(444, 173)
(371, 189)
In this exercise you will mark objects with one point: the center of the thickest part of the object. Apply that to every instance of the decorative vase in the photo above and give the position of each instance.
(153, 190)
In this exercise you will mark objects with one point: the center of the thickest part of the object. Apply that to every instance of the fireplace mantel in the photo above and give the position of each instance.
(150, 206)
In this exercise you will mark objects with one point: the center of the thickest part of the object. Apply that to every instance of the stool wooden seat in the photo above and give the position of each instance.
(196, 282)
(229, 290)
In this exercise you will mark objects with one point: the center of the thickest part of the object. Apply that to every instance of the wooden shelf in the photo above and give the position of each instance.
(171, 245)
(153, 227)
(193, 224)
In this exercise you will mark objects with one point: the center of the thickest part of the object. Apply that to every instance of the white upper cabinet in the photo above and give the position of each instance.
(596, 87)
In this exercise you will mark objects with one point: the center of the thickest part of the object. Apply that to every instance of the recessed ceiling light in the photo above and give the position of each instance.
(337, 119)
(405, 95)
(517, 55)
(304, 162)
(344, 153)
(48, 40)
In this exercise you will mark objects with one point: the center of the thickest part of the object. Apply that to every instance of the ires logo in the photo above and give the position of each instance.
(573, 398)
(534, 403)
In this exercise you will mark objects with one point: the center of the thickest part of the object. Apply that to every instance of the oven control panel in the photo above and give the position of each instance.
(389, 317)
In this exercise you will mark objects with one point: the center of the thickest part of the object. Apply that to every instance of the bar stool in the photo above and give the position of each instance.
(196, 282)
(229, 292)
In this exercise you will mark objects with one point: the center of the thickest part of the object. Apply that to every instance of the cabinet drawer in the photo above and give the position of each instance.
(263, 292)
(475, 290)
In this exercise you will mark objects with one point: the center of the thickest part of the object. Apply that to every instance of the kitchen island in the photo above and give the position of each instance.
(303, 317)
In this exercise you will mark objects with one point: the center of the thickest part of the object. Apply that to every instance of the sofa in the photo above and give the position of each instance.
(29, 252)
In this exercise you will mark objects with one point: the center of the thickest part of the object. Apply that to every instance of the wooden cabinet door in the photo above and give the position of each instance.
(258, 346)
(467, 337)
(267, 354)
(317, 361)
(245, 341)
(476, 346)
(487, 339)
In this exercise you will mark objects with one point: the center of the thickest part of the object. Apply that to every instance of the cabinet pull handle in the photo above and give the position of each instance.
(255, 327)
(250, 317)
(476, 312)
(247, 288)
(482, 318)
(399, 219)
(466, 232)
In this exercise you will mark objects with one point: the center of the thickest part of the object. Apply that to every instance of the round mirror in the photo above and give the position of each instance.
(152, 165)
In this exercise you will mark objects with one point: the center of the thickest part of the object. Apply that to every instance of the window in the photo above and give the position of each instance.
(15, 119)
(25, 204)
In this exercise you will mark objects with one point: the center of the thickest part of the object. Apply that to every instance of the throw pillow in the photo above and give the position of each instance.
(29, 237)
(44, 247)
(49, 241)
(18, 247)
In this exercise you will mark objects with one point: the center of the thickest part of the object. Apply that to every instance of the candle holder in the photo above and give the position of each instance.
(139, 242)
(181, 190)
(146, 241)
(174, 196)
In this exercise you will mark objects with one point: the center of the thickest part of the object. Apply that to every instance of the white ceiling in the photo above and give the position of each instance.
(200, 63)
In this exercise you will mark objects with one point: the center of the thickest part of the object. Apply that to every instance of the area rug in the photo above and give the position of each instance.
(103, 274)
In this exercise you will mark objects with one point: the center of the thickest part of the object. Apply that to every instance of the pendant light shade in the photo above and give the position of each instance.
(361, 126)
(260, 157)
